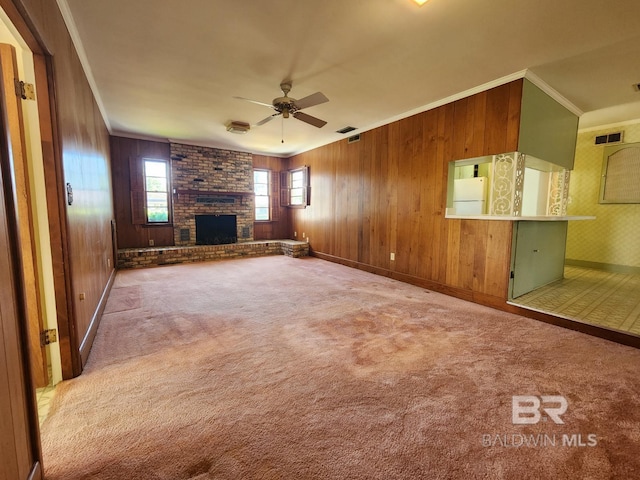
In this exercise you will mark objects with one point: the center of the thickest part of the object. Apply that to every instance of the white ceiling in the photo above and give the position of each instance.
(168, 69)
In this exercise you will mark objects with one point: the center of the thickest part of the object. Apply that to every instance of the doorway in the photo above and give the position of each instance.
(29, 179)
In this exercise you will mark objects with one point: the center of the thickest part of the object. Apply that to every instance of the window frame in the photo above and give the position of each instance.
(617, 180)
(287, 188)
(139, 202)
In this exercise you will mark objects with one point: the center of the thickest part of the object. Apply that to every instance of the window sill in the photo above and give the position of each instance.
(158, 224)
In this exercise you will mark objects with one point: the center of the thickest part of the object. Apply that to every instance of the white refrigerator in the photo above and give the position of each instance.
(469, 195)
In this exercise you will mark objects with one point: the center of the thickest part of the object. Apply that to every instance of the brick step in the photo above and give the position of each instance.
(156, 256)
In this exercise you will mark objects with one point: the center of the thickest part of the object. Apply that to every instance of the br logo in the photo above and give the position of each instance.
(526, 409)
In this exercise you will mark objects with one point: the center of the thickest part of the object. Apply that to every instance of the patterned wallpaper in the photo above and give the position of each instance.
(614, 237)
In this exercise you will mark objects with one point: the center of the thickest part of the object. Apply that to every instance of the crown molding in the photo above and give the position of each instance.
(553, 93)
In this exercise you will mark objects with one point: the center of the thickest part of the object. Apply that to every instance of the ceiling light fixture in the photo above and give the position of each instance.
(420, 2)
(238, 127)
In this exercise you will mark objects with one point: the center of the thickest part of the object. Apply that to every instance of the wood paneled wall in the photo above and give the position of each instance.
(81, 149)
(278, 227)
(387, 194)
(138, 236)
(130, 235)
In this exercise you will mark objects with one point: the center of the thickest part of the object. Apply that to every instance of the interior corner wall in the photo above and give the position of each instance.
(386, 194)
(83, 142)
(130, 235)
(279, 225)
(612, 238)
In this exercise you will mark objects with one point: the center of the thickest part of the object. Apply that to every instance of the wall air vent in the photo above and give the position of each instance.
(615, 137)
(346, 130)
(353, 138)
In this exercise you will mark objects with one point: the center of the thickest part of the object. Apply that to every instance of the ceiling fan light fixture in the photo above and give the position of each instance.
(420, 2)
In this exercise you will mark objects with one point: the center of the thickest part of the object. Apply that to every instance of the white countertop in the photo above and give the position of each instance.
(547, 218)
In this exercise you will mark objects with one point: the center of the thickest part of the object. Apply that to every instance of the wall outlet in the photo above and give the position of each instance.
(392, 256)
(303, 235)
(295, 234)
(81, 296)
(152, 242)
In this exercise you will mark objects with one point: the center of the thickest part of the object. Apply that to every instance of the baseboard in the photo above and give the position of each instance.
(36, 472)
(480, 298)
(617, 336)
(492, 301)
(87, 341)
(607, 267)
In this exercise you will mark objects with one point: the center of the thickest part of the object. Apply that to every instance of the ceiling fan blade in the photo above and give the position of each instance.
(316, 122)
(314, 99)
(268, 119)
(254, 101)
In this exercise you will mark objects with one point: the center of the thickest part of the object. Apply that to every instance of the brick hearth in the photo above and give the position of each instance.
(151, 257)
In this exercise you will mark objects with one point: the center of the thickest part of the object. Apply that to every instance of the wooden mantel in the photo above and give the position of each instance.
(212, 193)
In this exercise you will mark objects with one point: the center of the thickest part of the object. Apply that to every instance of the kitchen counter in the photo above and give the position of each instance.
(547, 218)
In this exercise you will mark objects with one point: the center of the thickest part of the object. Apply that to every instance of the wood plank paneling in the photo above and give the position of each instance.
(387, 194)
(130, 235)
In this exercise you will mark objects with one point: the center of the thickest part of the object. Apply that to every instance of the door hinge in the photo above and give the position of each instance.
(26, 91)
(48, 336)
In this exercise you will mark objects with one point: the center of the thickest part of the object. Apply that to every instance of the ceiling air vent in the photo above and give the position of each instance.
(346, 130)
(615, 137)
(353, 138)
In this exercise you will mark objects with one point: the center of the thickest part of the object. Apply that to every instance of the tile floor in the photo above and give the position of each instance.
(602, 298)
(44, 397)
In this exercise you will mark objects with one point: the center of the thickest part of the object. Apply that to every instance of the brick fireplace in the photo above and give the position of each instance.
(213, 182)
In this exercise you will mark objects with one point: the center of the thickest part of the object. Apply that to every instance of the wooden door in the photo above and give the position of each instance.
(20, 173)
(19, 438)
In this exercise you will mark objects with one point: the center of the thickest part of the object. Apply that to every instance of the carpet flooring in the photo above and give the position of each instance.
(282, 368)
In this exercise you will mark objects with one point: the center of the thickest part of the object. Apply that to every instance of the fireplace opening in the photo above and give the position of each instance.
(216, 229)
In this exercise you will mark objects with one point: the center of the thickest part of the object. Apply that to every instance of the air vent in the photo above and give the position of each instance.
(615, 137)
(353, 138)
(346, 130)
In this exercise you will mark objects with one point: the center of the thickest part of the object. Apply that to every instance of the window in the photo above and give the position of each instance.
(295, 191)
(156, 189)
(261, 183)
(297, 188)
(620, 174)
(150, 187)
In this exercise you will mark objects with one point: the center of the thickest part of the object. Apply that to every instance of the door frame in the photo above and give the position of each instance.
(54, 186)
(22, 432)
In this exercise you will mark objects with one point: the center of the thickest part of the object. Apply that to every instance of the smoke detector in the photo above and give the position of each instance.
(238, 127)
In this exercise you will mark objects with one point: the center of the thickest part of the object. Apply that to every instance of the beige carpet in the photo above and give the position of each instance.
(281, 368)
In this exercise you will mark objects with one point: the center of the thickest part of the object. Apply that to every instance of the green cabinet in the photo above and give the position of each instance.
(538, 255)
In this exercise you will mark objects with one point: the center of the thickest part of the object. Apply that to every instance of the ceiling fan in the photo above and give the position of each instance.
(287, 106)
